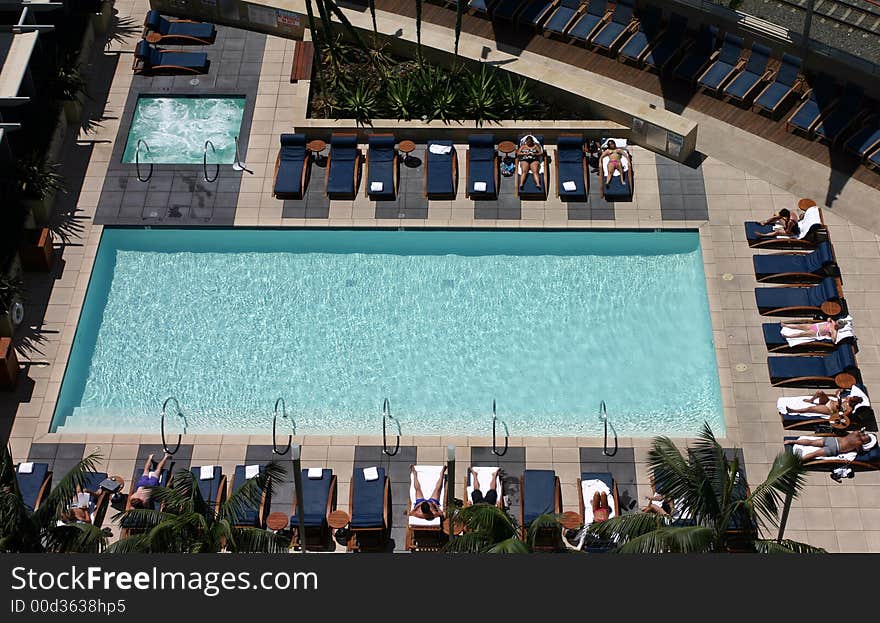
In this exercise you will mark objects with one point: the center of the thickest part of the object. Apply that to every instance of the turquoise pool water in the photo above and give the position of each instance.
(175, 129)
(440, 322)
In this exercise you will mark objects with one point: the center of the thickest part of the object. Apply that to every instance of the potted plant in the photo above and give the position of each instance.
(11, 291)
(70, 86)
(39, 181)
(37, 249)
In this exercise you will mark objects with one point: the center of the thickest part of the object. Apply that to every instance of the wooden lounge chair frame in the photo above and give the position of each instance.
(805, 98)
(324, 533)
(875, 146)
(802, 278)
(648, 46)
(740, 63)
(303, 183)
(581, 501)
(383, 532)
(869, 163)
(454, 176)
(394, 165)
(138, 66)
(542, 541)
(794, 88)
(834, 309)
(543, 15)
(585, 172)
(577, 15)
(262, 515)
(546, 175)
(844, 379)
(627, 32)
(768, 73)
(629, 173)
(496, 167)
(357, 166)
(45, 487)
(817, 235)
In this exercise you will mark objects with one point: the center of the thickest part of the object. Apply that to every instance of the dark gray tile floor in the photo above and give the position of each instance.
(682, 190)
(61, 457)
(410, 201)
(315, 203)
(506, 206)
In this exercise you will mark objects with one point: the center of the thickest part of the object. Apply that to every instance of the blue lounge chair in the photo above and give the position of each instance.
(833, 126)
(571, 168)
(343, 166)
(776, 342)
(479, 6)
(816, 233)
(646, 33)
(866, 140)
(755, 72)
(160, 30)
(506, 9)
(482, 166)
(861, 416)
(667, 46)
(698, 53)
(613, 187)
(819, 100)
(530, 189)
(149, 60)
(823, 299)
(382, 171)
(535, 12)
(213, 489)
(292, 167)
(724, 63)
(797, 266)
(34, 486)
(873, 160)
(588, 485)
(613, 32)
(251, 515)
(563, 17)
(441, 171)
(828, 370)
(863, 462)
(540, 494)
(784, 84)
(590, 21)
(101, 497)
(369, 502)
(319, 500)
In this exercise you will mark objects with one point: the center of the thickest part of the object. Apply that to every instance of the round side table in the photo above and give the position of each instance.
(338, 519)
(805, 204)
(276, 522)
(316, 146)
(845, 380)
(831, 308)
(507, 147)
(406, 148)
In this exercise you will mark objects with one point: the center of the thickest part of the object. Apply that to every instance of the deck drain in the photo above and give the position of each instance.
(741, 367)
(194, 82)
(727, 276)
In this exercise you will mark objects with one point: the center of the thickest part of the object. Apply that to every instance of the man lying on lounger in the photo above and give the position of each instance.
(856, 441)
(491, 497)
(141, 496)
(427, 508)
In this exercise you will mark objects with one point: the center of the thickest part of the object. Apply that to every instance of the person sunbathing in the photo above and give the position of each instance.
(491, 496)
(658, 505)
(79, 512)
(615, 161)
(601, 509)
(150, 478)
(427, 508)
(784, 224)
(839, 406)
(816, 330)
(530, 152)
(856, 441)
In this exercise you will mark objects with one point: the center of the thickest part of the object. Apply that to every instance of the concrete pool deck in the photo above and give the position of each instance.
(839, 517)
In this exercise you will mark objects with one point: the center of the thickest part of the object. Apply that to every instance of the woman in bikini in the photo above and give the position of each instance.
(834, 406)
(784, 224)
(817, 330)
(614, 161)
(427, 508)
(530, 153)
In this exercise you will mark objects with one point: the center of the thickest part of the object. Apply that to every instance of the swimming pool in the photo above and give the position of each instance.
(439, 322)
(175, 129)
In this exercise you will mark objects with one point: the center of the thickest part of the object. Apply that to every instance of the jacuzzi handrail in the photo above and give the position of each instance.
(137, 161)
(603, 415)
(386, 415)
(162, 425)
(495, 421)
(205, 162)
(275, 426)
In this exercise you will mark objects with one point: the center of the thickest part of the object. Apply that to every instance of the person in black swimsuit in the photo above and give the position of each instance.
(530, 153)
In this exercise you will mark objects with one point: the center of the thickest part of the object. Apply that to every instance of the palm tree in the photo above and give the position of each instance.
(459, 9)
(723, 514)
(43, 531)
(186, 523)
(419, 31)
(488, 529)
(373, 16)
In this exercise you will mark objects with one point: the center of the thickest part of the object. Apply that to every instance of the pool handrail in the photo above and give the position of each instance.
(137, 161)
(603, 415)
(162, 426)
(275, 428)
(386, 415)
(495, 421)
(205, 162)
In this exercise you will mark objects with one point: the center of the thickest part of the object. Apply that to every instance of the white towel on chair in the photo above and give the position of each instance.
(590, 488)
(251, 471)
(371, 473)
(484, 475)
(376, 187)
(842, 334)
(439, 149)
(480, 187)
(624, 162)
(569, 185)
(802, 450)
(428, 475)
(315, 473)
(856, 391)
(619, 142)
(26, 468)
(811, 217)
(206, 472)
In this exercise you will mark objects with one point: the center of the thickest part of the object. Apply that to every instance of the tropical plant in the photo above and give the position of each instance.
(516, 98)
(43, 530)
(402, 99)
(68, 83)
(723, 513)
(480, 95)
(37, 177)
(186, 523)
(11, 289)
(488, 529)
(359, 102)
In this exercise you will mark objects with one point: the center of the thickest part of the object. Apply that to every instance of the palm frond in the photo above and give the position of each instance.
(627, 527)
(65, 490)
(786, 546)
(548, 522)
(77, 537)
(494, 523)
(468, 543)
(681, 539)
(786, 477)
(249, 495)
(256, 540)
(509, 546)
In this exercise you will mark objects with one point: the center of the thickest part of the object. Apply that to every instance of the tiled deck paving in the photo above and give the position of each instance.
(715, 197)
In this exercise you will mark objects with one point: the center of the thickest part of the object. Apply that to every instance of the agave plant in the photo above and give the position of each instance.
(516, 98)
(186, 523)
(481, 95)
(402, 99)
(488, 529)
(11, 288)
(359, 101)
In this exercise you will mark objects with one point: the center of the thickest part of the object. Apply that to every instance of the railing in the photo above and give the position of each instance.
(495, 421)
(238, 165)
(205, 162)
(137, 161)
(275, 427)
(162, 425)
(386, 415)
(603, 415)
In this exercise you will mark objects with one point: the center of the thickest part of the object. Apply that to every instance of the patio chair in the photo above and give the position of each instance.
(744, 84)
(370, 505)
(211, 482)
(540, 494)
(698, 54)
(861, 416)
(441, 170)
(613, 187)
(158, 29)
(535, 12)
(797, 266)
(834, 125)
(778, 340)
(572, 178)
(424, 534)
(563, 17)
(818, 101)
(613, 32)
(785, 82)
(724, 63)
(382, 168)
(343, 166)
(666, 47)
(836, 369)
(811, 232)
(292, 167)
(866, 140)
(595, 16)
(34, 483)
(647, 31)
(148, 59)
(873, 160)
(482, 167)
(863, 461)
(530, 189)
(484, 476)
(823, 299)
(319, 500)
(251, 515)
